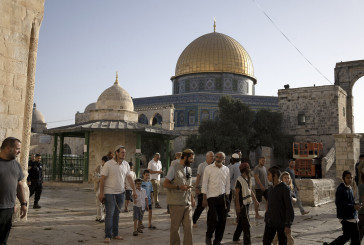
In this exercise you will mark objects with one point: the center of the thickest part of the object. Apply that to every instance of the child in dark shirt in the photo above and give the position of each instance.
(280, 214)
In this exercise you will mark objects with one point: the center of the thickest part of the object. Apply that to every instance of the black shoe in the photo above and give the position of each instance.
(325, 243)
(208, 241)
(36, 206)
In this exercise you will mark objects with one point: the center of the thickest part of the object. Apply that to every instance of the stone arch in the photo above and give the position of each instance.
(143, 119)
(205, 115)
(67, 149)
(346, 74)
(157, 120)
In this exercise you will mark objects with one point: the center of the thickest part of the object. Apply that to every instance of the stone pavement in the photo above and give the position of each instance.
(68, 211)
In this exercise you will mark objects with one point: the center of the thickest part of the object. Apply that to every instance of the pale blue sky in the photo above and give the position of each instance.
(82, 43)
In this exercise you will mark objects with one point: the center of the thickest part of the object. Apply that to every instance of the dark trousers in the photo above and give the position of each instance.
(36, 187)
(216, 217)
(199, 208)
(243, 225)
(350, 232)
(270, 232)
(230, 198)
(361, 226)
(5, 224)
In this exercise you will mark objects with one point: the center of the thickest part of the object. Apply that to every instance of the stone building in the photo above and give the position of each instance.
(313, 114)
(109, 122)
(41, 143)
(211, 66)
(19, 31)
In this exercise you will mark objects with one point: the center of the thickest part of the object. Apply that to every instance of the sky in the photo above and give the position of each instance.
(83, 43)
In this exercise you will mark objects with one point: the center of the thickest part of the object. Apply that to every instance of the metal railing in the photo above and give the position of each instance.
(71, 169)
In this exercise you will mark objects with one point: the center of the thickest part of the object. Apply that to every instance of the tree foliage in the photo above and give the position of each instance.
(238, 127)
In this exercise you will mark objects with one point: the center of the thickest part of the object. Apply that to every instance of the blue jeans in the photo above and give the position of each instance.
(113, 205)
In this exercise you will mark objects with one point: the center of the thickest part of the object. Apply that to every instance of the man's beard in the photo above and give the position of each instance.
(12, 156)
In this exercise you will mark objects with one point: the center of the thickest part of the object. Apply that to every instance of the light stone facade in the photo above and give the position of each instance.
(149, 112)
(347, 152)
(104, 141)
(20, 24)
(19, 30)
(323, 109)
(315, 192)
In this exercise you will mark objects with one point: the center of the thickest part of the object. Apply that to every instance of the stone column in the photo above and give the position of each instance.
(347, 152)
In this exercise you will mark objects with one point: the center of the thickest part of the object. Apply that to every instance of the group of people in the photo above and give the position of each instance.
(115, 184)
(215, 186)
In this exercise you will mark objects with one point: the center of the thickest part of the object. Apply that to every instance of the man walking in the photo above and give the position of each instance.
(215, 190)
(290, 170)
(10, 186)
(35, 179)
(155, 169)
(112, 191)
(234, 175)
(198, 184)
(261, 184)
(178, 183)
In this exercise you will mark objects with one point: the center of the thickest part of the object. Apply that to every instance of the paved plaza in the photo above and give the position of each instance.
(68, 211)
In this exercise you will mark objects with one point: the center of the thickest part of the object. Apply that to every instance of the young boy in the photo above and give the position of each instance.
(147, 185)
(128, 189)
(139, 206)
(347, 211)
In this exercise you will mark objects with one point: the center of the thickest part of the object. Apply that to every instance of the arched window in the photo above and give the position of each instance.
(67, 149)
(191, 118)
(157, 120)
(205, 115)
(143, 119)
(216, 114)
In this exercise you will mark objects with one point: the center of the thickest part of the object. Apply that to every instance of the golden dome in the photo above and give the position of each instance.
(215, 52)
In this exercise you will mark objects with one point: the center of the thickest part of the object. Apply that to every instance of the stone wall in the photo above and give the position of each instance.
(166, 112)
(323, 109)
(19, 31)
(43, 144)
(347, 152)
(315, 192)
(103, 142)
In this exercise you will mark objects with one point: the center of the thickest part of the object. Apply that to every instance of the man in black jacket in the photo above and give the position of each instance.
(35, 179)
(280, 214)
(347, 212)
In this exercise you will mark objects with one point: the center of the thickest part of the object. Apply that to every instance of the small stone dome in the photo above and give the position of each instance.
(90, 107)
(115, 98)
(37, 116)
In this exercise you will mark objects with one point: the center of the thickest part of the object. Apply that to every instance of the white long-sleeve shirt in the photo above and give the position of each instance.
(216, 181)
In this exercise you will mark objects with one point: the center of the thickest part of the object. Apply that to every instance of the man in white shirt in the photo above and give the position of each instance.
(155, 169)
(215, 190)
(112, 191)
(198, 184)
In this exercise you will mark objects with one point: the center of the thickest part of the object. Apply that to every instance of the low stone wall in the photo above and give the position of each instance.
(315, 192)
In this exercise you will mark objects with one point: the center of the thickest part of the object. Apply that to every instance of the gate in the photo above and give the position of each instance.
(71, 169)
